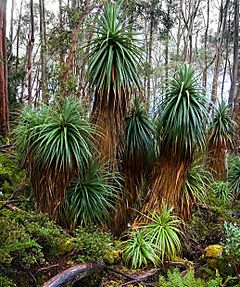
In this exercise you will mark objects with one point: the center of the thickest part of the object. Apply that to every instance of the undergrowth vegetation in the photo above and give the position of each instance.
(155, 242)
(30, 241)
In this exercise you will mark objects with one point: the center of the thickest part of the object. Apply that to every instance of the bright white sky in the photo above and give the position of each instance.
(50, 5)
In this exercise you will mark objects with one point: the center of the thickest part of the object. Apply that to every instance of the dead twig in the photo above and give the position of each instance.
(47, 268)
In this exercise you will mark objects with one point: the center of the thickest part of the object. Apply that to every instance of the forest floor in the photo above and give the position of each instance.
(33, 248)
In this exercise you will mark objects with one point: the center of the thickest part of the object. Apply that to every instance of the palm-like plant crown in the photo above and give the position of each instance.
(55, 143)
(113, 60)
(222, 127)
(56, 136)
(140, 132)
(184, 114)
(90, 197)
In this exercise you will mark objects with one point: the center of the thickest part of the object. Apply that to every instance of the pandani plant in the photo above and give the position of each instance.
(220, 139)
(155, 242)
(222, 190)
(182, 127)
(113, 72)
(234, 175)
(114, 57)
(55, 143)
(91, 196)
(138, 154)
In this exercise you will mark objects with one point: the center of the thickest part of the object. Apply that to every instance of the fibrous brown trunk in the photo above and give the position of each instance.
(108, 115)
(4, 116)
(134, 168)
(48, 186)
(217, 162)
(167, 187)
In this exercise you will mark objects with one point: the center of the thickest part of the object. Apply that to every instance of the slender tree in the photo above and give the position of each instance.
(205, 72)
(236, 61)
(43, 42)
(4, 116)
(218, 53)
(31, 41)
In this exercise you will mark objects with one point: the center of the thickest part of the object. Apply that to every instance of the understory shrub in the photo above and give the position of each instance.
(223, 191)
(154, 242)
(28, 238)
(139, 251)
(232, 244)
(5, 281)
(91, 196)
(164, 233)
(92, 243)
(175, 279)
(234, 174)
(10, 174)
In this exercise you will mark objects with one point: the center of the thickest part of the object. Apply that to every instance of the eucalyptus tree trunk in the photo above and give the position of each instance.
(236, 64)
(61, 28)
(43, 50)
(226, 59)
(180, 28)
(189, 15)
(4, 114)
(11, 28)
(30, 53)
(18, 37)
(167, 48)
(220, 35)
(146, 50)
(69, 65)
(237, 117)
(205, 72)
(149, 62)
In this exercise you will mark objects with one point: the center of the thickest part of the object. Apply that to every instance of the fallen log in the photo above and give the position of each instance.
(143, 276)
(74, 274)
(138, 277)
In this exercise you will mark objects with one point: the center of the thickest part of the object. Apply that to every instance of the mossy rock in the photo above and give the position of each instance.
(66, 247)
(212, 254)
(112, 256)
